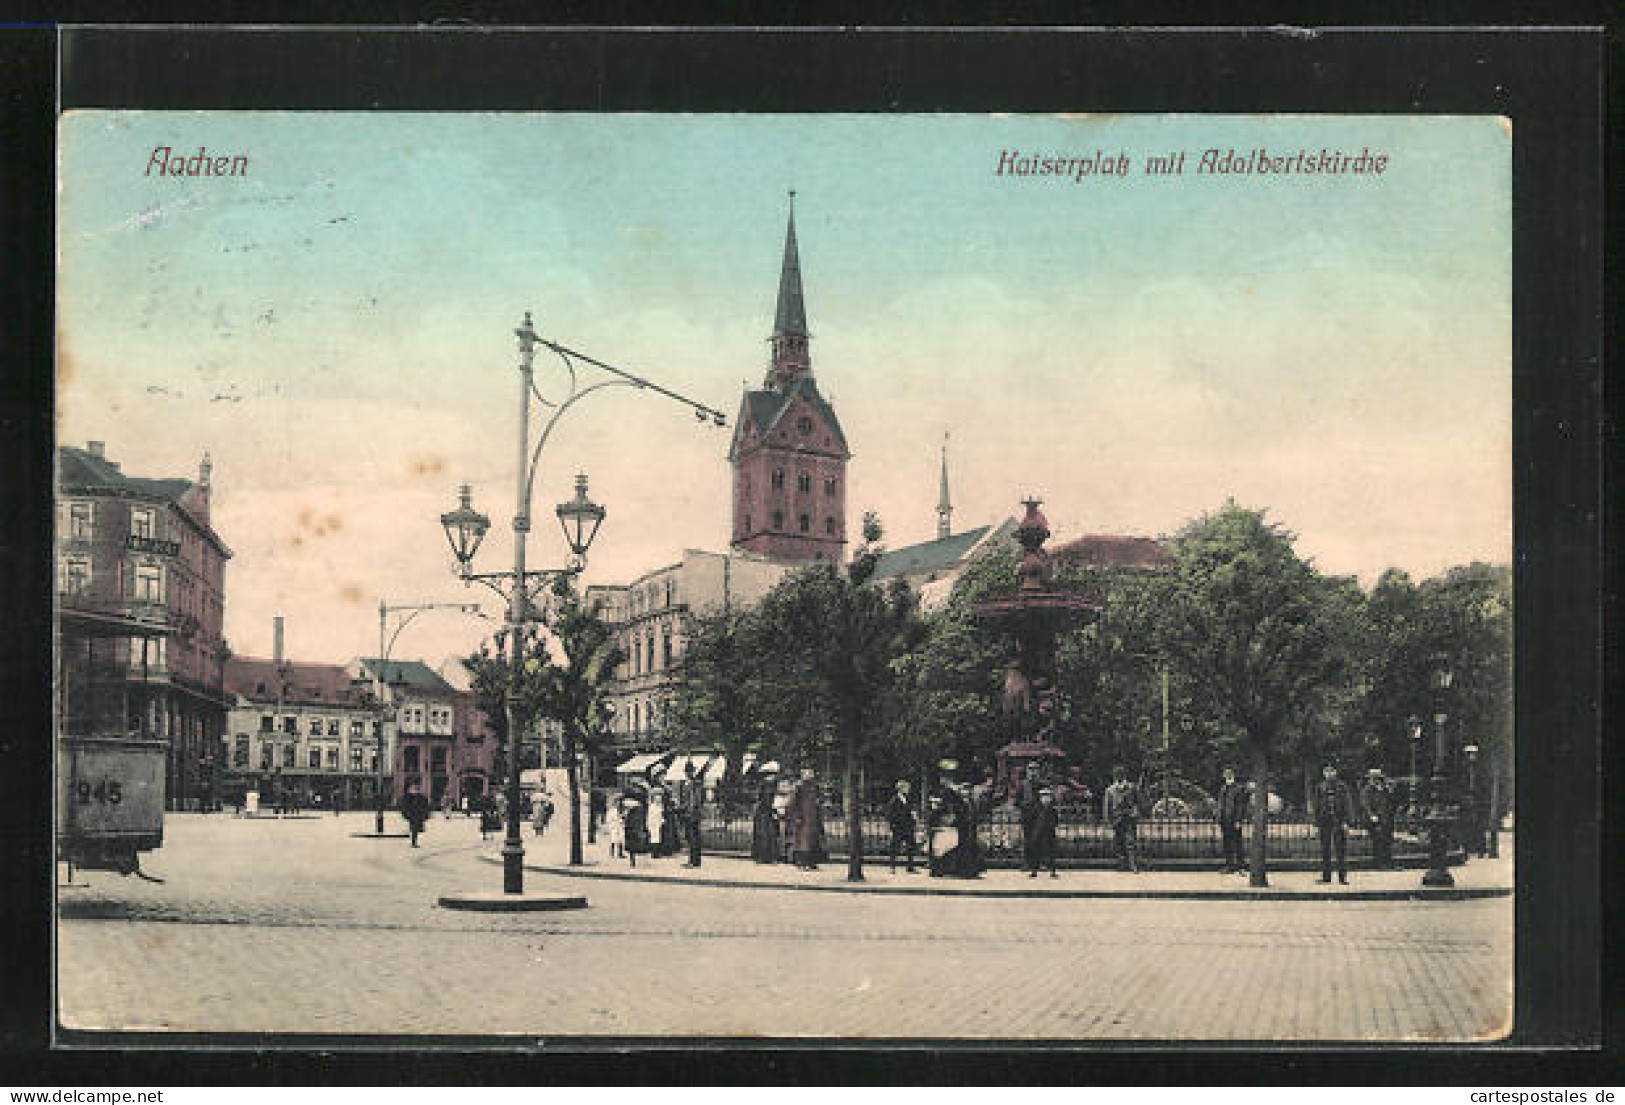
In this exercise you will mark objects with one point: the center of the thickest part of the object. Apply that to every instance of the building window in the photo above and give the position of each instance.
(149, 583)
(437, 761)
(665, 649)
(804, 424)
(409, 758)
(829, 526)
(377, 729)
(141, 522)
(829, 485)
(333, 727)
(155, 654)
(75, 575)
(803, 482)
(290, 725)
(332, 757)
(355, 758)
(239, 754)
(266, 752)
(315, 726)
(778, 479)
(288, 753)
(357, 728)
(805, 523)
(315, 759)
(649, 641)
(81, 520)
(778, 519)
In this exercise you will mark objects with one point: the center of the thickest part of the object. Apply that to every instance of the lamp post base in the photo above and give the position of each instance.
(486, 902)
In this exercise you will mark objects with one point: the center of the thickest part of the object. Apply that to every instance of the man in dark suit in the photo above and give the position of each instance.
(900, 819)
(1122, 810)
(1039, 820)
(1334, 812)
(1232, 812)
(693, 805)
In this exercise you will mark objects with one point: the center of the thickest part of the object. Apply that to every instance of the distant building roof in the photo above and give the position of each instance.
(1112, 551)
(291, 682)
(409, 673)
(940, 555)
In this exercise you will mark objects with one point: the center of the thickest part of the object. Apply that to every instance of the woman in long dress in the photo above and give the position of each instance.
(614, 830)
(661, 820)
(765, 843)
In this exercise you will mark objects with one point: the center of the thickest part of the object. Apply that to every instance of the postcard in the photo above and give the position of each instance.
(1030, 577)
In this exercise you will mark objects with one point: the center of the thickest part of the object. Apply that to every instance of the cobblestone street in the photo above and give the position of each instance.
(292, 926)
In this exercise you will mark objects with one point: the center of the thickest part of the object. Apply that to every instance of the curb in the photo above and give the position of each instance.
(1446, 894)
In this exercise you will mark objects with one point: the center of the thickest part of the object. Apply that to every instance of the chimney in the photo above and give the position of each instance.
(276, 640)
(97, 449)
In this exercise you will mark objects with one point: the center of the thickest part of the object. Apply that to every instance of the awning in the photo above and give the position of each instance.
(679, 766)
(713, 773)
(640, 763)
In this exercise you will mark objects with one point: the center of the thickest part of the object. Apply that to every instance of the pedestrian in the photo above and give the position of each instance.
(1232, 811)
(1122, 810)
(614, 829)
(805, 822)
(1334, 812)
(951, 825)
(900, 819)
(541, 813)
(1377, 803)
(1039, 820)
(490, 818)
(415, 808)
(636, 819)
(693, 799)
(766, 842)
(660, 822)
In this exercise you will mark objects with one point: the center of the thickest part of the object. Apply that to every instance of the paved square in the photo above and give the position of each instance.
(291, 926)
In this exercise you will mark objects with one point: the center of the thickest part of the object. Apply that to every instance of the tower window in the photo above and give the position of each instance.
(803, 482)
(804, 424)
(829, 526)
(778, 479)
(829, 485)
(806, 523)
(778, 519)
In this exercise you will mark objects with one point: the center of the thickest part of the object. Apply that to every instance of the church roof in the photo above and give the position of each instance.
(930, 556)
(767, 406)
(791, 316)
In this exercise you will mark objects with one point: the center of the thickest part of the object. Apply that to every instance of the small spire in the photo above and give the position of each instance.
(945, 508)
(204, 469)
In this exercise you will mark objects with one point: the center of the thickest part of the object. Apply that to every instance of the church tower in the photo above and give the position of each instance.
(945, 507)
(788, 453)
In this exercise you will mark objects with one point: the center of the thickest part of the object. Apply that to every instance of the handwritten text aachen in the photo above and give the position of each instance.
(1259, 161)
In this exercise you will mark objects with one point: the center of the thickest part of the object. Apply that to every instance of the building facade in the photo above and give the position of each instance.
(788, 453)
(140, 585)
(425, 711)
(303, 734)
(652, 618)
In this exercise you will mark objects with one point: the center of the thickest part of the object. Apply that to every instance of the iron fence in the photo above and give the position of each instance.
(1083, 839)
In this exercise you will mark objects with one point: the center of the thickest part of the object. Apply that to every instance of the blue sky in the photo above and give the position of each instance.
(336, 329)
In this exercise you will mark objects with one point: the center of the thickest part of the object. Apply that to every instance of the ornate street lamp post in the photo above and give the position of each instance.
(1441, 810)
(580, 519)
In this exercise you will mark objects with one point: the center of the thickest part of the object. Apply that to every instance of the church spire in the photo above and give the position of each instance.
(790, 357)
(945, 508)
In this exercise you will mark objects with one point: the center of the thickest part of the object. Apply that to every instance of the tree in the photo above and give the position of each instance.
(1245, 625)
(565, 672)
(715, 705)
(828, 644)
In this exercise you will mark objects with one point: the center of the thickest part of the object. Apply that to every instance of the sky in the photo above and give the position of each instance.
(335, 328)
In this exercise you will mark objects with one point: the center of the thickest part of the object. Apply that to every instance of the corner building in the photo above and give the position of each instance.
(788, 453)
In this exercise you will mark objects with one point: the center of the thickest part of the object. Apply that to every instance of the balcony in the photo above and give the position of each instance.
(155, 545)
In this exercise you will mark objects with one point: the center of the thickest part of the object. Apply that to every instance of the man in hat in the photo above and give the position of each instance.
(1039, 820)
(1233, 809)
(1122, 810)
(693, 800)
(900, 819)
(1377, 802)
(1333, 805)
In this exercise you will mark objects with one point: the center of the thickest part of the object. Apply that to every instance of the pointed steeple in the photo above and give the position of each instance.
(945, 508)
(790, 358)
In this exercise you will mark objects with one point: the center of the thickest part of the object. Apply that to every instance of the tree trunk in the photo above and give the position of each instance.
(854, 815)
(573, 781)
(1257, 872)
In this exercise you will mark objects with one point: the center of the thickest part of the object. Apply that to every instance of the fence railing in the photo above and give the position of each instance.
(1082, 839)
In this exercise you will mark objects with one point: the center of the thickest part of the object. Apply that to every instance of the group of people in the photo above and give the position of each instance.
(654, 819)
(1333, 807)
